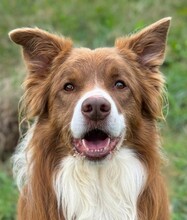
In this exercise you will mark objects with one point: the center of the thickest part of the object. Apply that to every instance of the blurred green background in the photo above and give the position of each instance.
(93, 24)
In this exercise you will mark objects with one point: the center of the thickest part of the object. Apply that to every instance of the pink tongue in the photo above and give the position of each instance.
(96, 145)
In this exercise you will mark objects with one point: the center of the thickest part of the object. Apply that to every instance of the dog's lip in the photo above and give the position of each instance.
(95, 149)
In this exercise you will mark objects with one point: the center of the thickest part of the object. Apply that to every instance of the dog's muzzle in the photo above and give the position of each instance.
(97, 127)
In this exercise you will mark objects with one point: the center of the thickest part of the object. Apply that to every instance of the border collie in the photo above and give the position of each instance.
(93, 151)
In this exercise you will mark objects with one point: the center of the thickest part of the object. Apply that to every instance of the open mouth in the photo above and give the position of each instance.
(95, 145)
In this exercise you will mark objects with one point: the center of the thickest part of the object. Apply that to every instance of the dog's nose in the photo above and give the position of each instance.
(96, 108)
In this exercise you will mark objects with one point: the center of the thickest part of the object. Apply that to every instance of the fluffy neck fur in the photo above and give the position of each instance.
(103, 191)
(122, 187)
(89, 190)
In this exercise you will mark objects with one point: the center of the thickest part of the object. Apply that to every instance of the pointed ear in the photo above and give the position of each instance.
(149, 44)
(39, 47)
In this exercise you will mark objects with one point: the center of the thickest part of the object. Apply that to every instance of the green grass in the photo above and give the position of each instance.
(93, 24)
(8, 194)
(175, 145)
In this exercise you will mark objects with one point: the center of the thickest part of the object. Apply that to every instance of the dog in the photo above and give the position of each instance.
(93, 149)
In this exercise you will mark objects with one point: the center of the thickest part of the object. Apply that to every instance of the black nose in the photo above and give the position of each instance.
(96, 108)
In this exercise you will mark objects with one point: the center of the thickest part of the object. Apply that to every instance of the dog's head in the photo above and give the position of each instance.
(94, 101)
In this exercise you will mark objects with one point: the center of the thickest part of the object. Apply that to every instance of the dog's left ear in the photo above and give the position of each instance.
(40, 49)
(149, 44)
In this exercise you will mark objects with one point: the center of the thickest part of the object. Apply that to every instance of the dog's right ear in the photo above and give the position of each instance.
(40, 48)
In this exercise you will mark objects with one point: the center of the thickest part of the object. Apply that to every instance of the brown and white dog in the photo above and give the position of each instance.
(93, 151)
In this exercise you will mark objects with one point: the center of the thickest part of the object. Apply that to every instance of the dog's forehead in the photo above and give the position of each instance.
(91, 66)
(95, 56)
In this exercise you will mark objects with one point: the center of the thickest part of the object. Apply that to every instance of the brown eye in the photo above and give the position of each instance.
(120, 85)
(69, 87)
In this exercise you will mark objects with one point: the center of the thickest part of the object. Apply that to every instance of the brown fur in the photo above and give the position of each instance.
(52, 61)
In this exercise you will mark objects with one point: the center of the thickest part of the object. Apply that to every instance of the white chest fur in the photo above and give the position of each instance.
(104, 191)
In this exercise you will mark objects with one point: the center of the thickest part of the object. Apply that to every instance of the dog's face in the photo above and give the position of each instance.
(96, 85)
(95, 100)
(93, 92)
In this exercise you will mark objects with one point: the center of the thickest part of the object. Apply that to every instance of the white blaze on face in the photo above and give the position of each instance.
(114, 123)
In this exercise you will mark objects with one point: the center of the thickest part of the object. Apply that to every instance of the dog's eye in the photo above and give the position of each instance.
(69, 87)
(120, 84)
